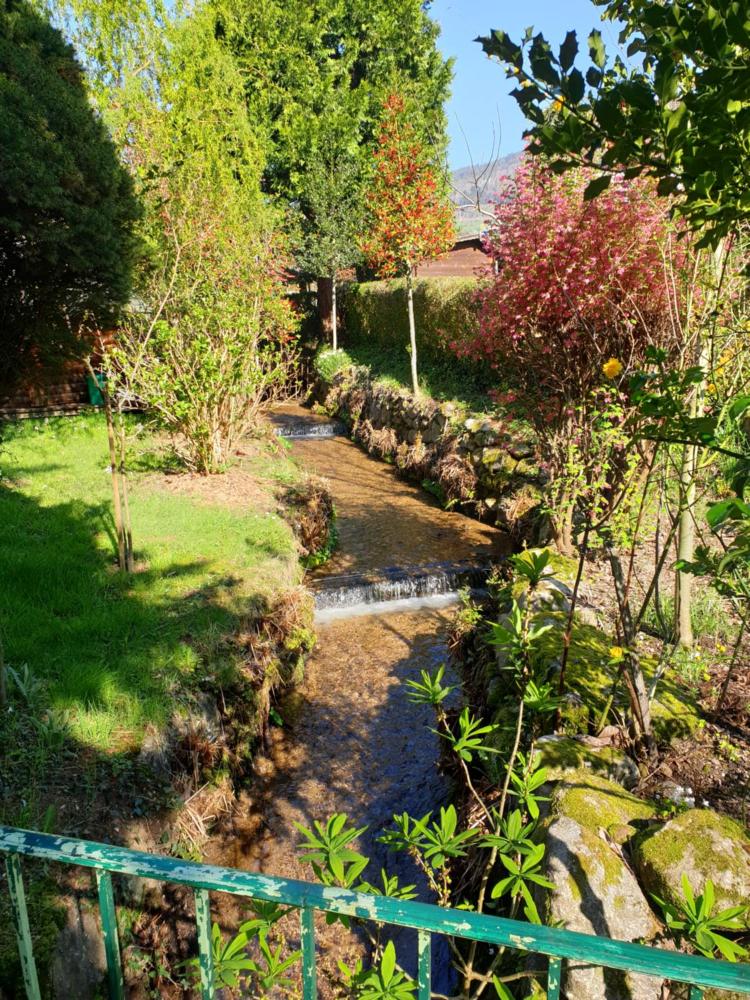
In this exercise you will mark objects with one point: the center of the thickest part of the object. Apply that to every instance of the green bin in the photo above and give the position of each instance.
(95, 385)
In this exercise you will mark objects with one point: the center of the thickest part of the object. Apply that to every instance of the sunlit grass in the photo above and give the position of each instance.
(114, 653)
(443, 377)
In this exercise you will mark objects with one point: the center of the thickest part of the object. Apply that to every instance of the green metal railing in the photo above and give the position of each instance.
(556, 944)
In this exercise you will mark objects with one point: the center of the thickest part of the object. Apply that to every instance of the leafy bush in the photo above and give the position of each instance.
(583, 290)
(212, 337)
(445, 311)
(328, 363)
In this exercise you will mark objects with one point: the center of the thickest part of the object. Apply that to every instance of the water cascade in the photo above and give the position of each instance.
(351, 741)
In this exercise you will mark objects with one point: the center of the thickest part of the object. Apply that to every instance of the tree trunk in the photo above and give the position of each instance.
(115, 473)
(126, 522)
(324, 306)
(562, 531)
(685, 548)
(691, 457)
(334, 314)
(686, 533)
(412, 332)
(632, 670)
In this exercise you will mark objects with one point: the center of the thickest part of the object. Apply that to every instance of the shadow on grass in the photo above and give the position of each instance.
(94, 658)
(443, 376)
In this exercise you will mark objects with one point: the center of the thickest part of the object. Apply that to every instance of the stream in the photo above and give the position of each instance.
(352, 742)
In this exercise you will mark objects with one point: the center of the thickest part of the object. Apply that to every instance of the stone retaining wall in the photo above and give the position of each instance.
(474, 463)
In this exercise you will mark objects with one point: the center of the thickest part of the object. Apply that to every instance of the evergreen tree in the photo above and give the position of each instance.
(67, 209)
(319, 70)
(332, 225)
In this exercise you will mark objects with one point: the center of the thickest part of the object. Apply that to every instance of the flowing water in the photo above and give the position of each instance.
(352, 742)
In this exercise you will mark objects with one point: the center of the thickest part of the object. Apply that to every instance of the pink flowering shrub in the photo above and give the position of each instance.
(577, 284)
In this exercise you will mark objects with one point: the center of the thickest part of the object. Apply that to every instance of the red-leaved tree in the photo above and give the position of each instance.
(581, 290)
(411, 216)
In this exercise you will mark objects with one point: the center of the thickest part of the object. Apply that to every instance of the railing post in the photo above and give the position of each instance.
(205, 949)
(108, 916)
(307, 942)
(554, 978)
(21, 920)
(424, 967)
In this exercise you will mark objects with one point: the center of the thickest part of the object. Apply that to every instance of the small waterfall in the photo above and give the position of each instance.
(433, 585)
(307, 429)
(403, 605)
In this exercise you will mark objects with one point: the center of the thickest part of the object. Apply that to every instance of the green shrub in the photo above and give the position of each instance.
(375, 312)
(328, 363)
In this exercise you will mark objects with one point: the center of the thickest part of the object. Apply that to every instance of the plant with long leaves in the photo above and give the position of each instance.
(694, 919)
(436, 842)
(471, 738)
(327, 850)
(430, 690)
(527, 781)
(385, 981)
(234, 966)
(512, 836)
(523, 871)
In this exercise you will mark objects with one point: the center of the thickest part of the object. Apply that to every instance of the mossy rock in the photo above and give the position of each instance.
(563, 754)
(590, 676)
(595, 803)
(595, 892)
(703, 845)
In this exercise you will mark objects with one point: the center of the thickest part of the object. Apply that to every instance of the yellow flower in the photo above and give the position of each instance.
(612, 368)
(711, 387)
(616, 653)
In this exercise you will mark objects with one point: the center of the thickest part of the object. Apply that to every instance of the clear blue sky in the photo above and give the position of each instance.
(481, 94)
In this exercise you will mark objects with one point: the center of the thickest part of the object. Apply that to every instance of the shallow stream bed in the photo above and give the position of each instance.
(352, 741)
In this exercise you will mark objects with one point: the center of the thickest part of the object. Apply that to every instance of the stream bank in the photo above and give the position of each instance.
(351, 741)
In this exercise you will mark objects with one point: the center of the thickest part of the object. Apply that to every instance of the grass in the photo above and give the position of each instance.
(114, 654)
(444, 377)
(97, 661)
(708, 613)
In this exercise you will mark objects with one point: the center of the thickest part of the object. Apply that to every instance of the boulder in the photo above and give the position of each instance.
(599, 804)
(703, 845)
(596, 893)
(563, 754)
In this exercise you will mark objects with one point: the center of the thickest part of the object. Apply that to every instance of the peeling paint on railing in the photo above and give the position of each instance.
(557, 944)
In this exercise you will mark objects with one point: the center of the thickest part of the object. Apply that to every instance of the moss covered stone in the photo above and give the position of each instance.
(563, 754)
(703, 845)
(595, 803)
(596, 893)
(590, 677)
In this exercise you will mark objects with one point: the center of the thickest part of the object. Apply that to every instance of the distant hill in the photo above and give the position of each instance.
(468, 219)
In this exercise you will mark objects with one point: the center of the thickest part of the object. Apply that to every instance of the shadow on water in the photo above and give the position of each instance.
(353, 743)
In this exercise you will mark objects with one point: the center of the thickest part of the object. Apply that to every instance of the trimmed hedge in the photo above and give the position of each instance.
(445, 310)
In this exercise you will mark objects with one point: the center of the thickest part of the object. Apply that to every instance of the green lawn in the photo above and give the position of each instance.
(114, 654)
(444, 377)
(100, 658)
